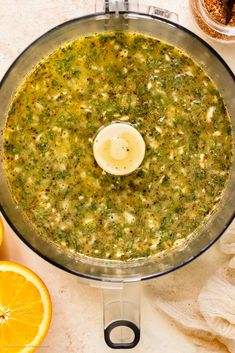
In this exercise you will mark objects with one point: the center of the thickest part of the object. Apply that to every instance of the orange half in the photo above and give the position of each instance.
(25, 309)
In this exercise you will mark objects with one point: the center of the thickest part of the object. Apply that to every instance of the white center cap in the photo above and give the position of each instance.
(119, 148)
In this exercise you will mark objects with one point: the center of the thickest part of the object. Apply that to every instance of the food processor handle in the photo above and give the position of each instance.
(116, 6)
(121, 305)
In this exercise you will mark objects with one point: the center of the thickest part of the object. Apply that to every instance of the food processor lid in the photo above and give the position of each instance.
(119, 17)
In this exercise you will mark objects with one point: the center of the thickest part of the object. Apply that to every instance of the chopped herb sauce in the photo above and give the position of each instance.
(87, 84)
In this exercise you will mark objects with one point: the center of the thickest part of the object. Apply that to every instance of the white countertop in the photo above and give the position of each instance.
(77, 324)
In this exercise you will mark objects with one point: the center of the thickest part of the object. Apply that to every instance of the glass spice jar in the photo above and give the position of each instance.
(210, 17)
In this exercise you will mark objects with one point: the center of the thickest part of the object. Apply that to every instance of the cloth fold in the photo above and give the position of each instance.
(200, 297)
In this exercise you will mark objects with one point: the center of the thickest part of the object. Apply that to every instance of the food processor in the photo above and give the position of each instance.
(119, 280)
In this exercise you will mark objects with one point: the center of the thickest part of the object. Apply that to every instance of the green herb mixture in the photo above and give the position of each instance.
(90, 83)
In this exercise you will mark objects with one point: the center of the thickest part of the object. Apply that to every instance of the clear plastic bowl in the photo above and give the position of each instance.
(176, 35)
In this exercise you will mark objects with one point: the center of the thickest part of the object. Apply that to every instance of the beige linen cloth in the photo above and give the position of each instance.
(200, 297)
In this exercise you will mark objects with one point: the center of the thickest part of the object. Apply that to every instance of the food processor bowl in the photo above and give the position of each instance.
(118, 278)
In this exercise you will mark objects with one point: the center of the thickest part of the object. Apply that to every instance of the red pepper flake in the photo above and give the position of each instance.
(215, 10)
(221, 11)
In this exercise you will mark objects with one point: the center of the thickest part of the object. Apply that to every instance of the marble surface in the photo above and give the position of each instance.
(77, 309)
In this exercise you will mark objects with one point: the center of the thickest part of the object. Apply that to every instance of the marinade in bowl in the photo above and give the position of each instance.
(87, 84)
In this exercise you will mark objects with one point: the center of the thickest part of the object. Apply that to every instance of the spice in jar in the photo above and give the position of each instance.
(215, 17)
(222, 11)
